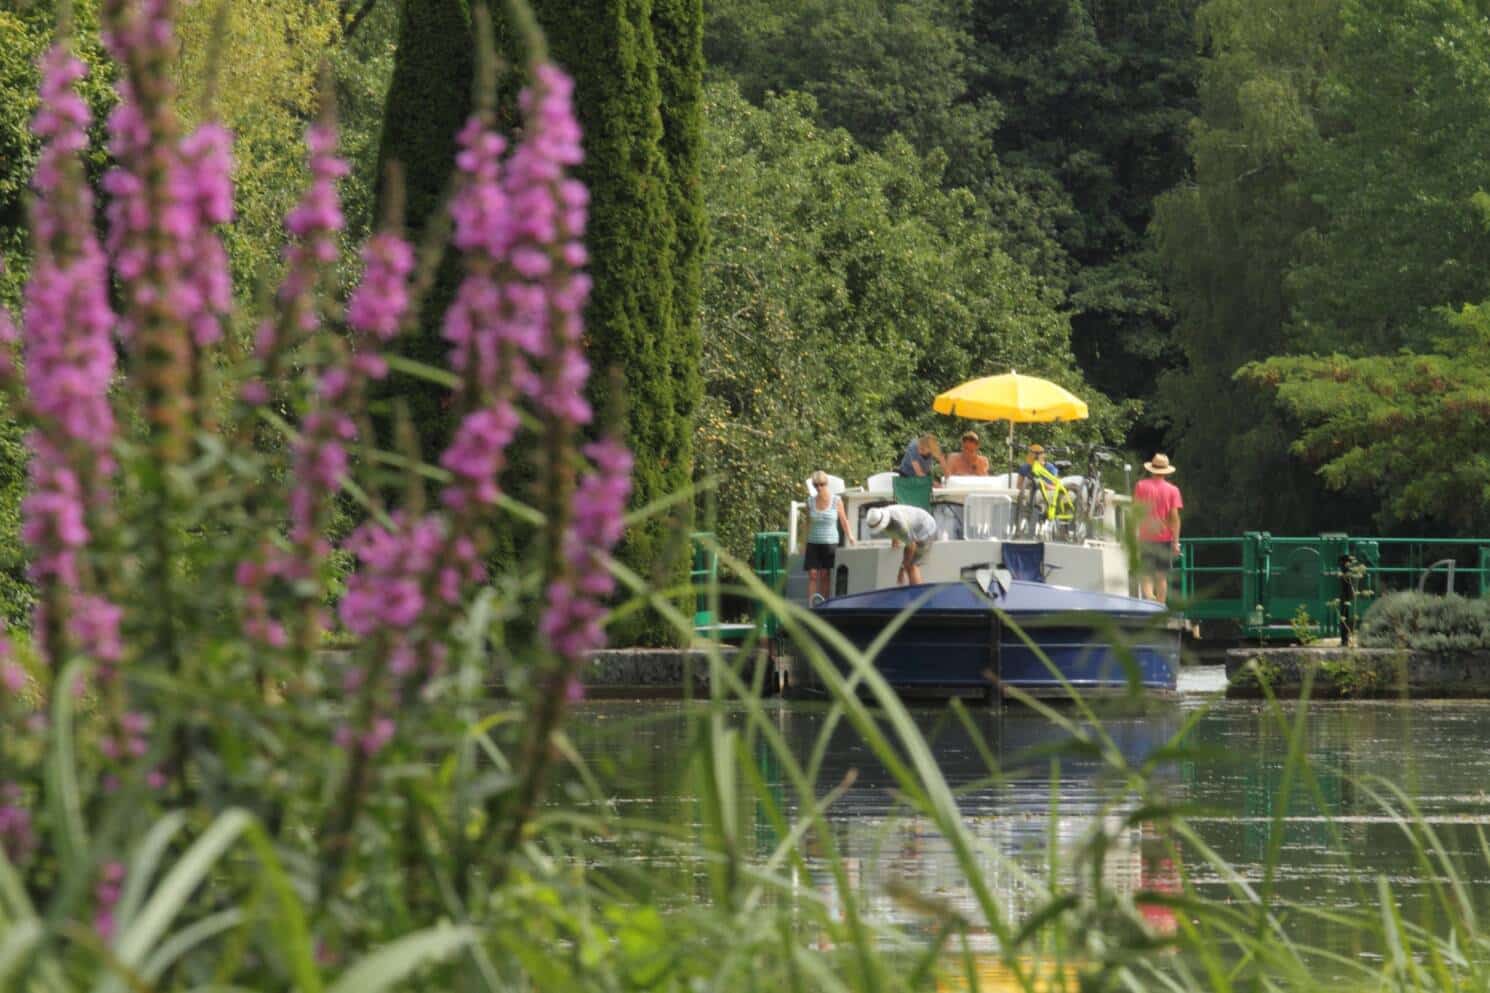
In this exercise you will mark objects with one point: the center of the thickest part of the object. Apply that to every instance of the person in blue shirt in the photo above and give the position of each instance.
(921, 455)
(1026, 470)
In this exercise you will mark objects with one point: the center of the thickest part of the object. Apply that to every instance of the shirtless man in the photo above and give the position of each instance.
(968, 462)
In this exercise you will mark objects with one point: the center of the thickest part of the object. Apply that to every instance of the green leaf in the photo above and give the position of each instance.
(392, 964)
(63, 794)
(142, 867)
(421, 370)
(188, 938)
(139, 936)
(16, 944)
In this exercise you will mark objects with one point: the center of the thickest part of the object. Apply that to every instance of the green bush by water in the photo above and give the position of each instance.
(1427, 622)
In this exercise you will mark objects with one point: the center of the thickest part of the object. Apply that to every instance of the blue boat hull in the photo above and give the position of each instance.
(1041, 640)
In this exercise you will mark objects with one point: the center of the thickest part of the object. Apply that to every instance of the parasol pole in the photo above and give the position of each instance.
(1011, 438)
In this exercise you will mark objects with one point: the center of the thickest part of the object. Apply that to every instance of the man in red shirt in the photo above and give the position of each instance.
(1159, 504)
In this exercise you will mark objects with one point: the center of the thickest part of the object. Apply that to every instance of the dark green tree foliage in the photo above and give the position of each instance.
(1400, 244)
(878, 69)
(1096, 96)
(1066, 119)
(875, 68)
(1406, 432)
(678, 27)
(27, 29)
(645, 234)
(1226, 242)
(632, 322)
(429, 99)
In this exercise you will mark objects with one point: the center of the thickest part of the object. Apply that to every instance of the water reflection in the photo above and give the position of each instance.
(1042, 790)
(1022, 784)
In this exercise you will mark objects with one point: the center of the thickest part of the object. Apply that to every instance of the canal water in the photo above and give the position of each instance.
(1342, 827)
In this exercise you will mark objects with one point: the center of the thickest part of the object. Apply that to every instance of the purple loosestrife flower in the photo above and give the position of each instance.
(381, 302)
(401, 572)
(485, 338)
(314, 223)
(166, 196)
(106, 893)
(547, 254)
(546, 251)
(320, 455)
(17, 835)
(68, 340)
(202, 182)
(571, 622)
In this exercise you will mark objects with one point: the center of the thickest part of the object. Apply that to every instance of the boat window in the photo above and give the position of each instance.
(948, 521)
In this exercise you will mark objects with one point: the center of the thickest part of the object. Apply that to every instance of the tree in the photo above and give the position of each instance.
(844, 287)
(1402, 432)
(632, 321)
(261, 78)
(1390, 275)
(644, 233)
(1096, 98)
(880, 69)
(26, 31)
(678, 26)
(429, 99)
(1226, 243)
(1399, 244)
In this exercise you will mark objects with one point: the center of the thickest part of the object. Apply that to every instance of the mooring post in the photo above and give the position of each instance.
(1347, 599)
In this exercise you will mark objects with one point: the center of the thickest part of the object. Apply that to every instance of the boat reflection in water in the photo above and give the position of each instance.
(891, 851)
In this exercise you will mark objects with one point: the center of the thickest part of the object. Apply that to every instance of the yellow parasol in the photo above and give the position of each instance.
(1013, 398)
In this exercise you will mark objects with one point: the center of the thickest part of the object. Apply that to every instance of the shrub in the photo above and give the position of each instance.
(1427, 623)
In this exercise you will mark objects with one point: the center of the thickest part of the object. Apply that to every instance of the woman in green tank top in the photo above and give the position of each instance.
(824, 516)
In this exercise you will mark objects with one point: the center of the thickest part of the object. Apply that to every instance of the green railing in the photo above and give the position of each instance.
(1265, 584)
(769, 561)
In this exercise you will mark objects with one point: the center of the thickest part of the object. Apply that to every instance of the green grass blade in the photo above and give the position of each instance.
(142, 866)
(393, 963)
(142, 934)
(16, 945)
(188, 938)
(63, 795)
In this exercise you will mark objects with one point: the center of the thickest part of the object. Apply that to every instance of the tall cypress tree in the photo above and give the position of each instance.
(429, 99)
(611, 49)
(638, 68)
(678, 26)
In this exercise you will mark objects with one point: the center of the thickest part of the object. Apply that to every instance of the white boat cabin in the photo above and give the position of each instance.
(976, 518)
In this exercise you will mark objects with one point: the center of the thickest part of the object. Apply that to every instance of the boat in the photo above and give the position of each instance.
(990, 635)
(975, 520)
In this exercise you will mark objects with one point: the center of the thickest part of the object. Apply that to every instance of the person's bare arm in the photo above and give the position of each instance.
(1174, 529)
(848, 533)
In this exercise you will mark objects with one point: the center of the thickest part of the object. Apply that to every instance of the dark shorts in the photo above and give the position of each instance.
(820, 556)
(1155, 557)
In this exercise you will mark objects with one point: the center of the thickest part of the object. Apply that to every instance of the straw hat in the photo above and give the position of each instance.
(1160, 465)
(875, 518)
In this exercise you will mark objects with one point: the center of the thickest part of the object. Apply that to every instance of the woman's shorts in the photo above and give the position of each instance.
(820, 556)
(1156, 558)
